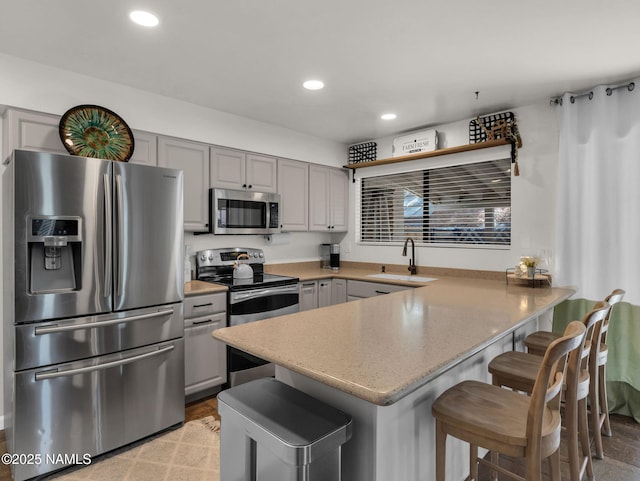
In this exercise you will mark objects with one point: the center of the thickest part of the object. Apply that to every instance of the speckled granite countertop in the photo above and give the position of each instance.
(195, 288)
(361, 271)
(382, 348)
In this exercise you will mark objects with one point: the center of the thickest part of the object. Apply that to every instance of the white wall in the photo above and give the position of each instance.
(33, 86)
(532, 200)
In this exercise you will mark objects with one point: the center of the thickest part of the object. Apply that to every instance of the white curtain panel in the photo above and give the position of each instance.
(598, 228)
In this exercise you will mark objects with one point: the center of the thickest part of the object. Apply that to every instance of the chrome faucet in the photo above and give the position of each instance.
(412, 259)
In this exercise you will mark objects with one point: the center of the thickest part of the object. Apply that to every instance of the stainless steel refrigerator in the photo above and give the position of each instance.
(93, 316)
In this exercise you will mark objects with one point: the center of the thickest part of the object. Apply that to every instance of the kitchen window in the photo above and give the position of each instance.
(457, 205)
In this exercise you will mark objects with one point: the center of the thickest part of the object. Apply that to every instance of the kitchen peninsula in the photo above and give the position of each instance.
(385, 359)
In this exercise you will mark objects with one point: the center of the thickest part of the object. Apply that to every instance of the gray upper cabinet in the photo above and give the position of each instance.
(328, 199)
(293, 187)
(339, 199)
(31, 131)
(235, 169)
(39, 131)
(193, 159)
(145, 149)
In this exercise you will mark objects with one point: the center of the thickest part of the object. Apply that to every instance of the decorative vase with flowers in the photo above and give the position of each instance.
(530, 262)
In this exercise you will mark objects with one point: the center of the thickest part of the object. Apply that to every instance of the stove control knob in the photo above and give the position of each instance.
(261, 255)
(203, 257)
(255, 254)
(210, 257)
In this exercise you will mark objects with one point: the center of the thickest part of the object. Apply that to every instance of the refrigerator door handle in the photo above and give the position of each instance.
(51, 374)
(108, 236)
(38, 331)
(120, 234)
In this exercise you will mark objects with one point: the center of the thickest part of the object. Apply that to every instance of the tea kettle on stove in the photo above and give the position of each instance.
(242, 270)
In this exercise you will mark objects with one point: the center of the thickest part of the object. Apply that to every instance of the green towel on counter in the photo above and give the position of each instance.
(623, 365)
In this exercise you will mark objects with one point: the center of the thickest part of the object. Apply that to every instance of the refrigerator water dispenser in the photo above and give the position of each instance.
(54, 245)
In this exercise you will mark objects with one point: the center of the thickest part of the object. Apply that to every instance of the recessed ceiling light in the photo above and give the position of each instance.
(313, 84)
(145, 19)
(388, 116)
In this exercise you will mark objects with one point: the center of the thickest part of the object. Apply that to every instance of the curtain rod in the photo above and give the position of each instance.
(558, 100)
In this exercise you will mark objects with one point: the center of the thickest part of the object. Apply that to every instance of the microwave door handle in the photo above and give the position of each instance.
(44, 375)
(108, 236)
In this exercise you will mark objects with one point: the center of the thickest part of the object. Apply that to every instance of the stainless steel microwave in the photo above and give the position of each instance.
(243, 212)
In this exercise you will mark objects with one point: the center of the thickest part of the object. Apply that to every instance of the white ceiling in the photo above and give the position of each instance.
(422, 59)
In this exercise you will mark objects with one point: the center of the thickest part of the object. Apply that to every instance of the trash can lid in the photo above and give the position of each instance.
(293, 417)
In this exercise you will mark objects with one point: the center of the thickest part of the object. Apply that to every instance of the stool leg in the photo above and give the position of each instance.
(571, 423)
(583, 423)
(594, 405)
(554, 466)
(473, 462)
(604, 404)
(495, 461)
(441, 453)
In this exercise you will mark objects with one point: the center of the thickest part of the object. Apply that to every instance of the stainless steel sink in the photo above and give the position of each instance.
(402, 277)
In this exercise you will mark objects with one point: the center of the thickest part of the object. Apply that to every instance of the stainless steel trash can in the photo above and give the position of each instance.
(273, 432)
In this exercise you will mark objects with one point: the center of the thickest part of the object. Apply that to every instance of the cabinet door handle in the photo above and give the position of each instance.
(381, 292)
(250, 186)
(206, 321)
(197, 306)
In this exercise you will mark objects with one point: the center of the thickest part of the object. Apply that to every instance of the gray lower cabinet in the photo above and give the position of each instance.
(325, 297)
(322, 293)
(338, 291)
(308, 295)
(362, 289)
(205, 358)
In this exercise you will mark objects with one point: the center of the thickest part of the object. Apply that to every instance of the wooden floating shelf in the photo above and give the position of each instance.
(432, 153)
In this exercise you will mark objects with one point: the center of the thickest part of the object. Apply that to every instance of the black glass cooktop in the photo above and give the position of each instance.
(259, 280)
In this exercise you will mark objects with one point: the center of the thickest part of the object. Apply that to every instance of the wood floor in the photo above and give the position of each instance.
(621, 463)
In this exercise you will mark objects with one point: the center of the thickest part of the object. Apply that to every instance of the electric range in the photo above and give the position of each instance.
(259, 297)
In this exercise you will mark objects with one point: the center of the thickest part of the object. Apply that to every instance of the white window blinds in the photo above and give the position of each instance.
(467, 204)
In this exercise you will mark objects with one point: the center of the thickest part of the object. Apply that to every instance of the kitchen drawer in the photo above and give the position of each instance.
(197, 306)
(371, 289)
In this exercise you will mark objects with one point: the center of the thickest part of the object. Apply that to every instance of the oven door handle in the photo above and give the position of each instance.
(90, 325)
(42, 375)
(255, 294)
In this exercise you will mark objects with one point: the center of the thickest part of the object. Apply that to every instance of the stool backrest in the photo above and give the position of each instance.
(613, 298)
(550, 378)
(593, 321)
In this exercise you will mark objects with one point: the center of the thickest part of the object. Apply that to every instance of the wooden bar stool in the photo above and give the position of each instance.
(599, 406)
(507, 422)
(518, 370)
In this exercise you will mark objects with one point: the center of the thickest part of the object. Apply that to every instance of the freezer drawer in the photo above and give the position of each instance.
(45, 343)
(96, 405)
